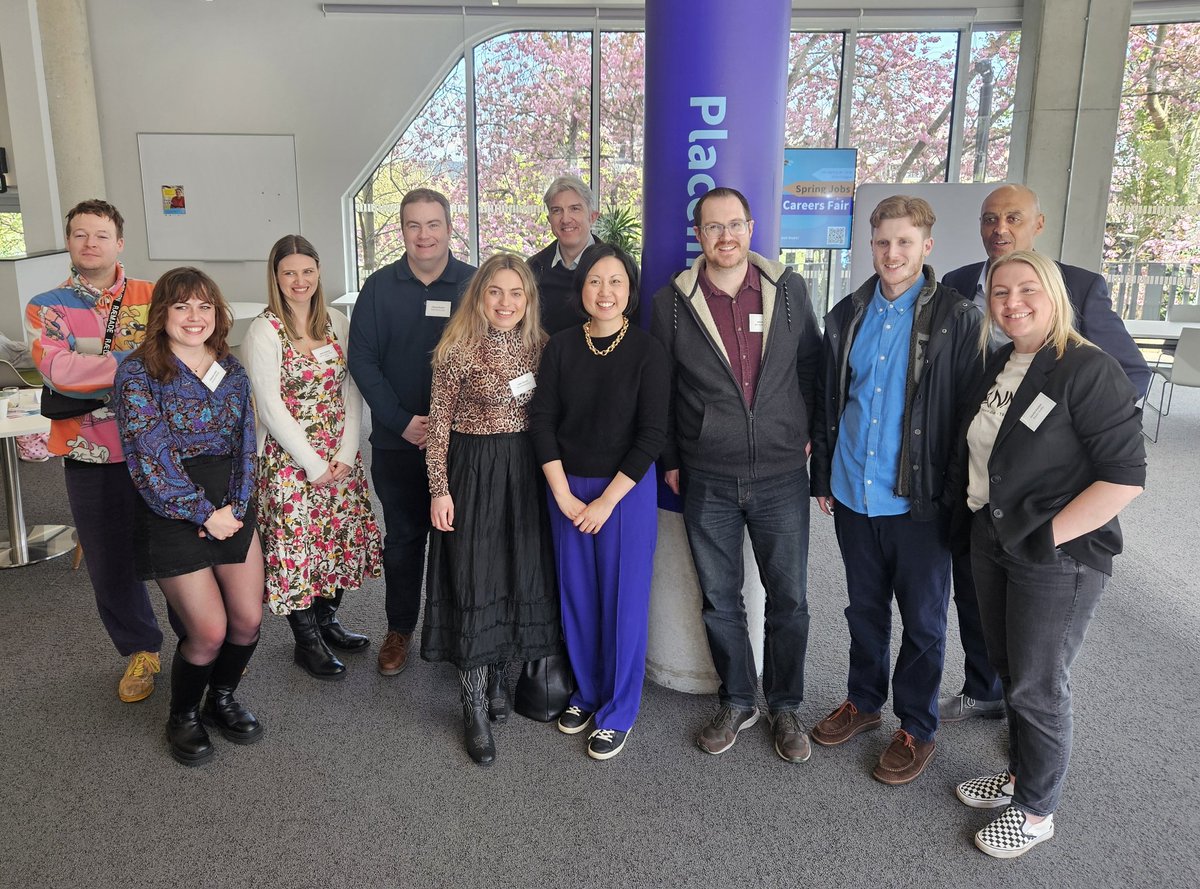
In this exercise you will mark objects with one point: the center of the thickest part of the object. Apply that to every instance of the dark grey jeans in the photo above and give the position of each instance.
(1034, 620)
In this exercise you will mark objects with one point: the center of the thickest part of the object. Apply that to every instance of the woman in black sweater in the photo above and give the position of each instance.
(599, 421)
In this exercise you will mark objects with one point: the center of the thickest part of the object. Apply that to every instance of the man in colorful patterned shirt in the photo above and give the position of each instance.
(68, 328)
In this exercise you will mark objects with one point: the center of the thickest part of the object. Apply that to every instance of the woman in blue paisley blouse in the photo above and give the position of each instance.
(187, 426)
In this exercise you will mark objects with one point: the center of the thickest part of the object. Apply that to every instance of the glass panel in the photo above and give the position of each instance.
(1152, 256)
(12, 235)
(622, 113)
(432, 153)
(533, 94)
(814, 82)
(991, 92)
(901, 102)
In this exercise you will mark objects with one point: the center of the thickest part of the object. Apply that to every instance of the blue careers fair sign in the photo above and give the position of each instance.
(817, 204)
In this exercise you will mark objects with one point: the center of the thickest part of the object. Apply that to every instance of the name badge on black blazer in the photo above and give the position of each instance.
(1038, 411)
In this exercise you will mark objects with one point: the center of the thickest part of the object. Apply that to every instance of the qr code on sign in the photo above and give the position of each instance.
(835, 235)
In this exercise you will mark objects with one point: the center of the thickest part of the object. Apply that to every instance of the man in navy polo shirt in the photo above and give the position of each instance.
(901, 356)
(397, 321)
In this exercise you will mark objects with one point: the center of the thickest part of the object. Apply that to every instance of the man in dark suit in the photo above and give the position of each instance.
(1011, 219)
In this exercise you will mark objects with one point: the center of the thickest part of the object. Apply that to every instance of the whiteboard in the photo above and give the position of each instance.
(956, 239)
(237, 194)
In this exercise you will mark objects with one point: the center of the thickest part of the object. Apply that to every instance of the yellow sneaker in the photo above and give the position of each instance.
(138, 681)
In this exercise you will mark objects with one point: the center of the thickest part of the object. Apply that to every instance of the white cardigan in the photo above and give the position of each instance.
(263, 357)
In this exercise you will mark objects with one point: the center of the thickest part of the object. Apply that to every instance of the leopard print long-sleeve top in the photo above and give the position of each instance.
(471, 395)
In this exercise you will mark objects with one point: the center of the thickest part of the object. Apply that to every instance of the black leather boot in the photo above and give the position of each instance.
(499, 701)
(185, 734)
(477, 731)
(231, 719)
(332, 631)
(311, 651)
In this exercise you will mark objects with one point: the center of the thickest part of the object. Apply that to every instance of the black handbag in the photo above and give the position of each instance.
(55, 405)
(544, 688)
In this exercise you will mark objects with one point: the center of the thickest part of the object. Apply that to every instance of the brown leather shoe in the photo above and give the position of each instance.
(904, 759)
(791, 740)
(393, 654)
(843, 724)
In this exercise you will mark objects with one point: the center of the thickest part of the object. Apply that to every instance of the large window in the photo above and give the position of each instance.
(903, 97)
(1151, 252)
(991, 92)
(432, 153)
(814, 88)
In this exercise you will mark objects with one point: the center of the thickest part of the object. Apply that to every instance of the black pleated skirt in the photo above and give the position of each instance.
(171, 547)
(491, 593)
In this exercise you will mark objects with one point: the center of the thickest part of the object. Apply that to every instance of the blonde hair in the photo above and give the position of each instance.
(468, 325)
(318, 315)
(1062, 322)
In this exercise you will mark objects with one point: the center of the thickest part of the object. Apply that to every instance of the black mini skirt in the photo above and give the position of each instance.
(171, 547)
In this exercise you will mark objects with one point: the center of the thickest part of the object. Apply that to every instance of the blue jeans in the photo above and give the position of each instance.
(717, 512)
(1034, 617)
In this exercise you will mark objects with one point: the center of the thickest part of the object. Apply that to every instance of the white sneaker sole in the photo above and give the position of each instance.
(576, 730)
(977, 803)
(600, 757)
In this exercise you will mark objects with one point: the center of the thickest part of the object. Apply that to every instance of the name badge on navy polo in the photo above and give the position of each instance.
(437, 308)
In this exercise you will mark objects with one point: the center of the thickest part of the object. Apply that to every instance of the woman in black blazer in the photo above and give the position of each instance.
(1052, 455)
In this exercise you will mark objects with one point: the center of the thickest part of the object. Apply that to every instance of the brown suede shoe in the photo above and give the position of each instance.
(843, 724)
(393, 654)
(791, 740)
(904, 759)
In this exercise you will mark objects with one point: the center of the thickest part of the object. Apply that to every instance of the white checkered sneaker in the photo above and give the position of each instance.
(1011, 834)
(988, 792)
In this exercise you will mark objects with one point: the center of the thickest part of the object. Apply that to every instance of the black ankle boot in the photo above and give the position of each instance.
(499, 701)
(332, 631)
(311, 652)
(185, 734)
(477, 731)
(231, 719)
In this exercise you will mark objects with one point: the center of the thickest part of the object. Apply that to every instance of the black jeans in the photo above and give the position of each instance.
(402, 486)
(102, 498)
(1035, 617)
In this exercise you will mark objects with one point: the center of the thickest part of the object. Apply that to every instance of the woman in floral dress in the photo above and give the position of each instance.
(319, 534)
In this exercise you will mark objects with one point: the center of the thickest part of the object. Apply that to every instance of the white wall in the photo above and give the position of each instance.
(340, 85)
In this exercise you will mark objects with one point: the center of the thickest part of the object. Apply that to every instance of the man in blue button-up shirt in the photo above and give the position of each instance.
(901, 356)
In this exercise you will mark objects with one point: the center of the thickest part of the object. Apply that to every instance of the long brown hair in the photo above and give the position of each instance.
(178, 286)
(318, 315)
(468, 325)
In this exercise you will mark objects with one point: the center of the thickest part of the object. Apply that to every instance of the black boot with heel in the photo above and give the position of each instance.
(477, 730)
(332, 631)
(234, 721)
(311, 651)
(185, 733)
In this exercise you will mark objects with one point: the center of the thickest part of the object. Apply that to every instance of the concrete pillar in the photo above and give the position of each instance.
(71, 94)
(32, 157)
(1065, 122)
(715, 91)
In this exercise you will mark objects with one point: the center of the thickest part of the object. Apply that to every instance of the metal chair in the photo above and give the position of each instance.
(1180, 312)
(1185, 371)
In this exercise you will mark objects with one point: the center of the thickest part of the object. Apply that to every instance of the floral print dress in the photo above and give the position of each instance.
(316, 540)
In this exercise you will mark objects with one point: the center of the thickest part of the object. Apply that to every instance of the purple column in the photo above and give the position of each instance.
(716, 83)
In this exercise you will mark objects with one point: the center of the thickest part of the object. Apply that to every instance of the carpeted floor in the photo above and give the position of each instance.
(364, 782)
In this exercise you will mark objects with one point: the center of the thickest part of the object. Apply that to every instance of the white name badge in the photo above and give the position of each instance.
(522, 384)
(756, 324)
(326, 353)
(437, 308)
(212, 379)
(1038, 411)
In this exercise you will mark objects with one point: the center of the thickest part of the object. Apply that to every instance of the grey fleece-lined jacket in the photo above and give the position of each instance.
(944, 368)
(712, 429)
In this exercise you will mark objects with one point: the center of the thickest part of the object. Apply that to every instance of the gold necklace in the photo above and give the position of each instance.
(587, 336)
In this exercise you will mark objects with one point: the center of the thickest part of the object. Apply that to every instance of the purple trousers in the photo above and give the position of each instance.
(604, 581)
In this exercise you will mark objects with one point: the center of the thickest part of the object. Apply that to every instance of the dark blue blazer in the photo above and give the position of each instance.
(1094, 316)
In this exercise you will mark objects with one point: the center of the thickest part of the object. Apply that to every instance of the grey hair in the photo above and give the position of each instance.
(568, 182)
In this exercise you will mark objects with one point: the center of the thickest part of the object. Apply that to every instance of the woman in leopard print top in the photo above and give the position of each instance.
(491, 595)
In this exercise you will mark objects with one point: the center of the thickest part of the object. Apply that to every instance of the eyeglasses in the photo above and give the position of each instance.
(714, 230)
